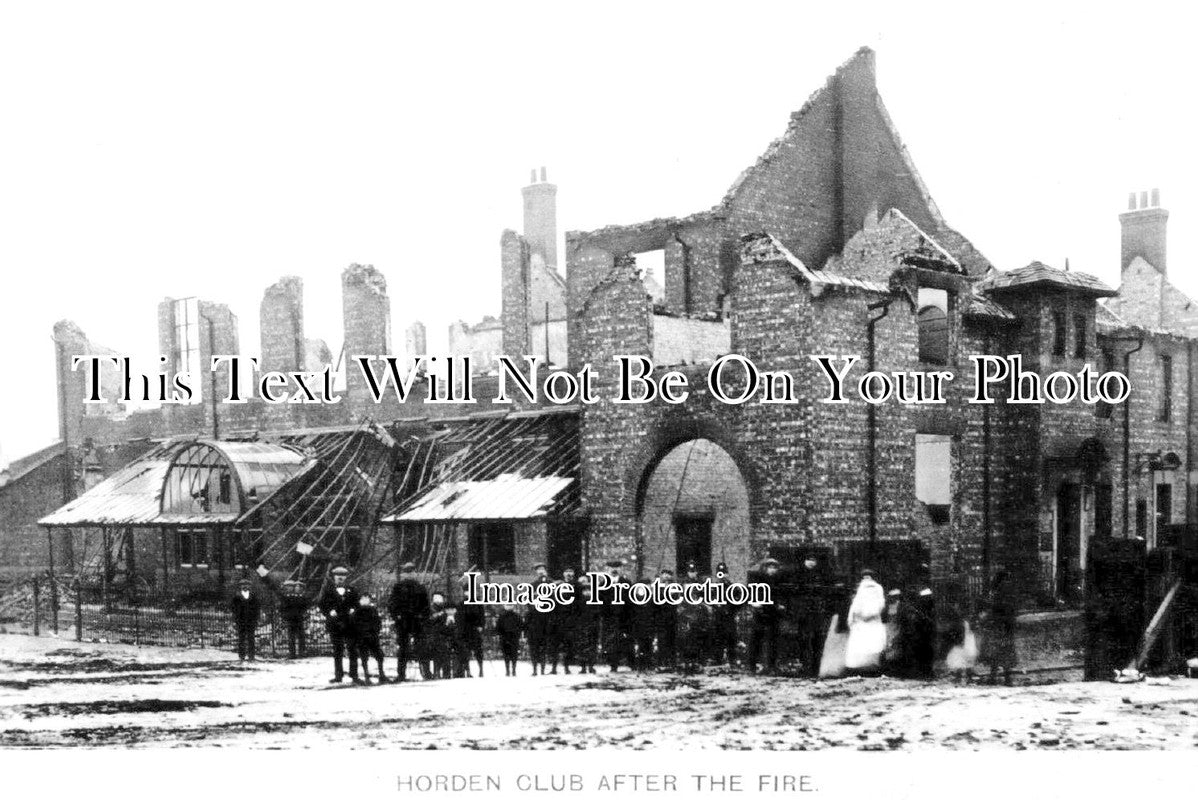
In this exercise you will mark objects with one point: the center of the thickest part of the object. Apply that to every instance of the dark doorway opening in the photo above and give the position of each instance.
(1103, 511)
(692, 533)
(1068, 561)
(1164, 509)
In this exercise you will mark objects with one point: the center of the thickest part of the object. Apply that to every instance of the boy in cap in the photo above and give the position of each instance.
(409, 609)
(508, 626)
(293, 608)
(367, 627)
(442, 637)
(247, 608)
(339, 604)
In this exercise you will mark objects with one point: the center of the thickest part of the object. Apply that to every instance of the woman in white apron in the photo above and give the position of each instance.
(867, 632)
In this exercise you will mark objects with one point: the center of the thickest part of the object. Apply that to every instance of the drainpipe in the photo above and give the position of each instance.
(986, 456)
(1127, 440)
(872, 425)
(1189, 427)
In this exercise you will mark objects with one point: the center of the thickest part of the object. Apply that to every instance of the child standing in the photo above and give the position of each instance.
(509, 626)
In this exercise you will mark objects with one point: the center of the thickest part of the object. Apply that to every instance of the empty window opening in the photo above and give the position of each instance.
(193, 548)
(1103, 410)
(492, 547)
(1165, 412)
(1058, 333)
(933, 325)
(652, 267)
(933, 475)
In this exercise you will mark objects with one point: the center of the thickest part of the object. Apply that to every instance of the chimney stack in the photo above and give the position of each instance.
(1143, 227)
(540, 218)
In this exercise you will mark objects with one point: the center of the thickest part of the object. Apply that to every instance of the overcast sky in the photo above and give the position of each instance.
(157, 149)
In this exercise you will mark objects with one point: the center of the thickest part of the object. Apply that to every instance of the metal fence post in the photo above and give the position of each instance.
(200, 611)
(37, 607)
(78, 611)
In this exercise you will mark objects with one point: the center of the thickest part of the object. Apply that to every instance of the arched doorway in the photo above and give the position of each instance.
(695, 507)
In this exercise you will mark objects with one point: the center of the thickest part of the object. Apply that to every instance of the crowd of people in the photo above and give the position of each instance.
(837, 630)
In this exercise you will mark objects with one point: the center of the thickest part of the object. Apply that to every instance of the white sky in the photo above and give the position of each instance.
(152, 149)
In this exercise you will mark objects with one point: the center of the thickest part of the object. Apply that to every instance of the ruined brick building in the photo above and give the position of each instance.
(829, 244)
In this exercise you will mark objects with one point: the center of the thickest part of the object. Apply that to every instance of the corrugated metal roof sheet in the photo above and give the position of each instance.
(505, 497)
(131, 496)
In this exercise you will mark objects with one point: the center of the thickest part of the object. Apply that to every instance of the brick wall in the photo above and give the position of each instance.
(281, 326)
(681, 340)
(366, 315)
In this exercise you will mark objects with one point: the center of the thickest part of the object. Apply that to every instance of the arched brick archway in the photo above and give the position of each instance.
(694, 499)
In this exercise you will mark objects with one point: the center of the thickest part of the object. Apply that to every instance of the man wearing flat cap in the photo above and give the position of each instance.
(409, 609)
(247, 608)
(339, 604)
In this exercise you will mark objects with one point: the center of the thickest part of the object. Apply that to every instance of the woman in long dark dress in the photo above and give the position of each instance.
(1000, 627)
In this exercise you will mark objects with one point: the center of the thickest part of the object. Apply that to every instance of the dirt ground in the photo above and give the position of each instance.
(57, 693)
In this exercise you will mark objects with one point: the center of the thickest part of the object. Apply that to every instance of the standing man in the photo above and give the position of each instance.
(643, 630)
(409, 609)
(247, 608)
(723, 623)
(293, 608)
(536, 626)
(509, 626)
(563, 623)
(810, 615)
(586, 631)
(666, 626)
(767, 619)
(616, 619)
(471, 620)
(917, 632)
(1000, 626)
(339, 604)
